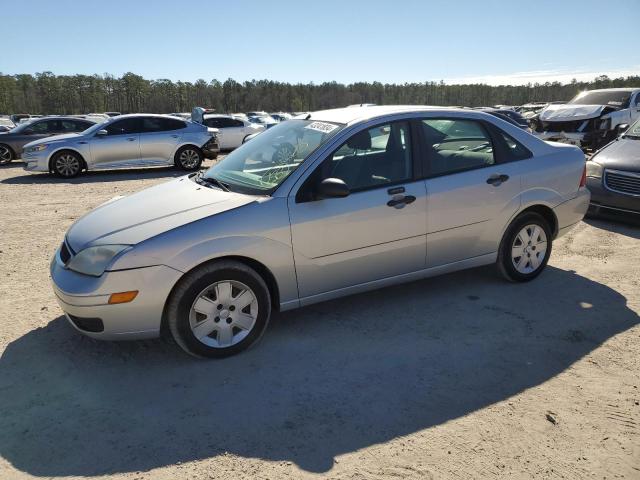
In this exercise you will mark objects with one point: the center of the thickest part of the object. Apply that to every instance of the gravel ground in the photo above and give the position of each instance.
(461, 376)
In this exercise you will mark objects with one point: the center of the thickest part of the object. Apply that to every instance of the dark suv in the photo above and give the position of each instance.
(11, 142)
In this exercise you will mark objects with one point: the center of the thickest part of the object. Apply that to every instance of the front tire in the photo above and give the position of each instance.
(66, 164)
(219, 309)
(525, 248)
(189, 158)
(6, 154)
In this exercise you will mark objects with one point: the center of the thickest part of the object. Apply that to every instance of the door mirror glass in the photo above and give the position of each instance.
(101, 133)
(331, 188)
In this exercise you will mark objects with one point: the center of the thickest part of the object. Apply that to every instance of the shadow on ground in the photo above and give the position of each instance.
(326, 380)
(628, 226)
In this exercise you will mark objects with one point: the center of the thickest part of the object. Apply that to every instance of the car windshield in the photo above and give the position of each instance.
(633, 131)
(261, 164)
(614, 98)
(94, 128)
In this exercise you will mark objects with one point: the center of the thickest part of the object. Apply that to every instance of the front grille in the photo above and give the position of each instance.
(568, 127)
(622, 182)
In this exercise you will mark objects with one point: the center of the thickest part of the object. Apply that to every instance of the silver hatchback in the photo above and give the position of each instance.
(338, 202)
(125, 141)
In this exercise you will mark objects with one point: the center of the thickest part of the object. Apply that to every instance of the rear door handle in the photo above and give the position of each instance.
(174, 136)
(131, 139)
(399, 202)
(497, 180)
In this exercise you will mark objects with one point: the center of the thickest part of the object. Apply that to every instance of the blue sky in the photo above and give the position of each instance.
(301, 41)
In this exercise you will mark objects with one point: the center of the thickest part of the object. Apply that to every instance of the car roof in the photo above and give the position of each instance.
(355, 114)
(623, 89)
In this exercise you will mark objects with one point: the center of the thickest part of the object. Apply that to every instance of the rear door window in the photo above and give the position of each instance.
(456, 145)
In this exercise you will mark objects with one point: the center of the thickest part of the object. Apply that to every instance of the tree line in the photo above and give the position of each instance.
(46, 93)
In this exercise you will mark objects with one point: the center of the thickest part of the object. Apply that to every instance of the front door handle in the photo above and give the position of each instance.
(131, 139)
(399, 202)
(174, 136)
(497, 180)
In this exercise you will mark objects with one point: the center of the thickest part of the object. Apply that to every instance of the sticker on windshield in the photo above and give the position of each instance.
(322, 127)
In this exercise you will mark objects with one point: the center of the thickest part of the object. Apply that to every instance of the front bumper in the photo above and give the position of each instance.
(592, 140)
(84, 300)
(36, 161)
(608, 202)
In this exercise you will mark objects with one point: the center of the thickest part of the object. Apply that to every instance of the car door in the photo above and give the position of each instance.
(120, 147)
(235, 132)
(217, 122)
(471, 192)
(159, 138)
(377, 231)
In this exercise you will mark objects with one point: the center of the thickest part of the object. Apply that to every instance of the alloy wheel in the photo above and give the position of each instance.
(67, 165)
(223, 314)
(189, 158)
(5, 154)
(529, 249)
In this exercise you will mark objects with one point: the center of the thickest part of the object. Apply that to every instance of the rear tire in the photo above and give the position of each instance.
(188, 158)
(66, 164)
(219, 309)
(525, 248)
(6, 154)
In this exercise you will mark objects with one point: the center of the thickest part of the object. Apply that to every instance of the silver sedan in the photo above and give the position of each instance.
(124, 141)
(338, 202)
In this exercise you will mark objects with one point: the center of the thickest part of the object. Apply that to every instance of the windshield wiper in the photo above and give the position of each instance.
(629, 135)
(202, 180)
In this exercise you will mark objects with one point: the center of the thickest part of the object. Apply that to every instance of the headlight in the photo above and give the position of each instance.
(94, 260)
(594, 169)
(37, 148)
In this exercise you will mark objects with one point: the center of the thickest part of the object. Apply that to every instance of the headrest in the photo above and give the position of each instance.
(360, 141)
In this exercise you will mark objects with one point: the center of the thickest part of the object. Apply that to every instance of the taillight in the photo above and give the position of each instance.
(583, 180)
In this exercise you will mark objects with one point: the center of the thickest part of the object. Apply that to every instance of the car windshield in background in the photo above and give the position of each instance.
(618, 99)
(94, 128)
(634, 131)
(260, 165)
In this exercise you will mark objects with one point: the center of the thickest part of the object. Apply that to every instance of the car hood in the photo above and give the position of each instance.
(568, 113)
(150, 212)
(623, 154)
(54, 139)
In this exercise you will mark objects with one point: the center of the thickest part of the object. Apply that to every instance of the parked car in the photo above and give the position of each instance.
(19, 117)
(508, 115)
(280, 116)
(126, 141)
(613, 176)
(310, 210)
(6, 121)
(13, 141)
(231, 131)
(591, 119)
(265, 121)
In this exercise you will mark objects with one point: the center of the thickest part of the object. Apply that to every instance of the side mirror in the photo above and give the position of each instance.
(101, 133)
(331, 188)
(622, 128)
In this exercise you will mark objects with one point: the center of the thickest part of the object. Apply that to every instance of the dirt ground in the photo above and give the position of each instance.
(461, 376)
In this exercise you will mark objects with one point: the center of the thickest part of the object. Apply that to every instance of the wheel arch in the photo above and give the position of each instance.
(84, 165)
(183, 145)
(11, 149)
(546, 212)
(260, 268)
